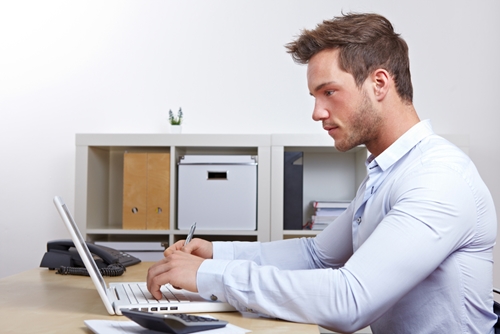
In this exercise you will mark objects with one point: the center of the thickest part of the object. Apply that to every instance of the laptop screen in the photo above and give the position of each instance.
(81, 241)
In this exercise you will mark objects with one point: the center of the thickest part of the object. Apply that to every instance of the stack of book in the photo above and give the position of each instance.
(325, 212)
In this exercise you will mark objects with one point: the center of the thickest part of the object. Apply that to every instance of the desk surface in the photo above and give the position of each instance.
(39, 301)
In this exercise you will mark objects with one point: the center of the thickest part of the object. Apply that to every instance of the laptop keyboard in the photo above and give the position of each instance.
(140, 293)
(173, 295)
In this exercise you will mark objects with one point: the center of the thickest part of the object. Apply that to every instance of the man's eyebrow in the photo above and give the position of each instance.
(322, 85)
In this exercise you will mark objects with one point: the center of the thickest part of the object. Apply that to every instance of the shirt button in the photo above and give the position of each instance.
(359, 220)
(213, 298)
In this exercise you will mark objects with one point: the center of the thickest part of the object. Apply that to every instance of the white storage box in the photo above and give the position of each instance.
(217, 192)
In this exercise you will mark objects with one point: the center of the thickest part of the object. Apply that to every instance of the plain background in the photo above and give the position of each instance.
(70, 67)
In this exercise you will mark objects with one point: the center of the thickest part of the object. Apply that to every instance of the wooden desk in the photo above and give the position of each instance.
(39, 301)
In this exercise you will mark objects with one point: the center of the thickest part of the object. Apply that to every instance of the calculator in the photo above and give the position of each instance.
(173, 323)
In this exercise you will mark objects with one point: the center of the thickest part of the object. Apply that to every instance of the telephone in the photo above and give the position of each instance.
(63, 253)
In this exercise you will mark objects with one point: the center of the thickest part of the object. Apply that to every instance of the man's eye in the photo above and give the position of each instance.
(329, 92)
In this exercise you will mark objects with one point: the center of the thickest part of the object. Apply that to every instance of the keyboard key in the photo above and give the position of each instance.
(177, 294)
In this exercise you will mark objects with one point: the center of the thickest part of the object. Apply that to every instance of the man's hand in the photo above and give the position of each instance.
(179, 269)
(198, 247)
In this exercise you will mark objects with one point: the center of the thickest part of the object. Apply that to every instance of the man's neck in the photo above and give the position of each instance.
(397, 121)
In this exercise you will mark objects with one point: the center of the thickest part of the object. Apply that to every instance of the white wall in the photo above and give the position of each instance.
(71, 67)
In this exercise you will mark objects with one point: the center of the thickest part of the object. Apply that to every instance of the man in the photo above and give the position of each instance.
(413, 251)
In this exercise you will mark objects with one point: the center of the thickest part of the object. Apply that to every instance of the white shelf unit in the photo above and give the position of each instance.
(99, 182)
(327, 175)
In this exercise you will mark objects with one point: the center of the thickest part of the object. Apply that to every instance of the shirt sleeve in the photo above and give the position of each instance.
(300, 253)
(426, 222)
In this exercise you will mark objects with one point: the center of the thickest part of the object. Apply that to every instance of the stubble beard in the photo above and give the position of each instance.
(362, 126)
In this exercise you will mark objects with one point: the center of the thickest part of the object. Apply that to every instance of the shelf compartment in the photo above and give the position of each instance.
(99, 180)
(328, 175)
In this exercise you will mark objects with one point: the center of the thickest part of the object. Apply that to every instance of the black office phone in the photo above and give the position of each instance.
(63, 253)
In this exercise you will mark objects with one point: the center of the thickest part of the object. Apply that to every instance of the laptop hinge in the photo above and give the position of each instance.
(112, 293)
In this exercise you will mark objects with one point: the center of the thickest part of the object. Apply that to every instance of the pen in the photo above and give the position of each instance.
(190, 234)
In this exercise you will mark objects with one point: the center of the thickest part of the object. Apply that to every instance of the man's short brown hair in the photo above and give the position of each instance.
(365, 42)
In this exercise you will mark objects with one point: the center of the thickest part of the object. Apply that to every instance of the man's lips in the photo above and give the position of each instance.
(331, 129)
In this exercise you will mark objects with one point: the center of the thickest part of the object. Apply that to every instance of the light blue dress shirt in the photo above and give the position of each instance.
(413, 253)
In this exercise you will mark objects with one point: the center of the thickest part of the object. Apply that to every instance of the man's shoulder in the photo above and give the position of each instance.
(432, 161)
(437, 151)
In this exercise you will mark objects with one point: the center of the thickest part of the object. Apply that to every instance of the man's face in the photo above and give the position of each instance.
(346, 111)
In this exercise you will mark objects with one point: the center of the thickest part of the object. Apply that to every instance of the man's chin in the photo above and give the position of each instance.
(341, 149)
(342, 146)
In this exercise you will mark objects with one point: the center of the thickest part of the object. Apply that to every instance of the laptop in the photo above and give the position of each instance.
(135, 295)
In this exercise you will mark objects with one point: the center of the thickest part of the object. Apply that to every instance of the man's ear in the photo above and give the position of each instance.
(381, 81)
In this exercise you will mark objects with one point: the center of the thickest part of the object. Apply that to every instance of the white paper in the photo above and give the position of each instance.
(130, 327)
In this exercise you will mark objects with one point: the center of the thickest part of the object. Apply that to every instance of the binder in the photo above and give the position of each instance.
(293, 189)
(158, 192)
(146, 191)
(135, 169)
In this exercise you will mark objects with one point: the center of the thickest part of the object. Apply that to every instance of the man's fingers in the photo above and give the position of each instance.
(157, 276)
(176, 246)
(155, 291)
(156, 283)
(178, 269)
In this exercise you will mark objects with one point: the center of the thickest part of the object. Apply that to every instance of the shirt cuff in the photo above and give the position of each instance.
(209, 280)
(223, 250)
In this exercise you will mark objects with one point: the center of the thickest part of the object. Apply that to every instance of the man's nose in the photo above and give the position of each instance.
(319, 113)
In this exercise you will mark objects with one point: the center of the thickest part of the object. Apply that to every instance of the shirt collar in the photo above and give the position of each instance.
(402, 145)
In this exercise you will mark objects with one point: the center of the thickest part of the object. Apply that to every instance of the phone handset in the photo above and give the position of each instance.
(65, 245)
(63, 256)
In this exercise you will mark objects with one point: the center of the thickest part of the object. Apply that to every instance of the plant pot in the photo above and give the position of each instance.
(175, 128)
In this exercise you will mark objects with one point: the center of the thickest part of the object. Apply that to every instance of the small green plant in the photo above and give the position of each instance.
(175, 120)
